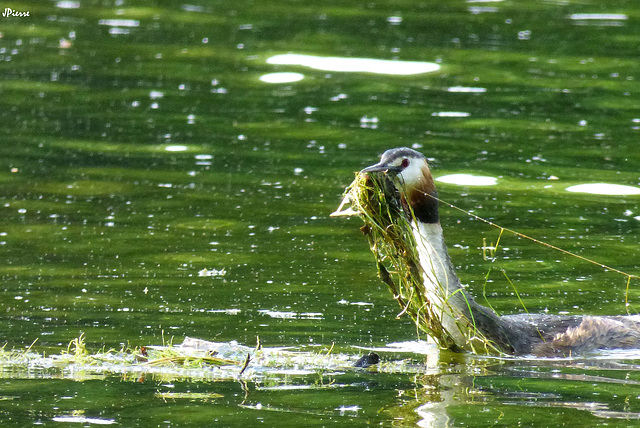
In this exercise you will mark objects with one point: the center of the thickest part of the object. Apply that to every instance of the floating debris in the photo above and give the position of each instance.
(212, 272)
(193, 359)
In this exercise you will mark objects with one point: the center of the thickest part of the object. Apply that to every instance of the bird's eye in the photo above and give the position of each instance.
(405, 163)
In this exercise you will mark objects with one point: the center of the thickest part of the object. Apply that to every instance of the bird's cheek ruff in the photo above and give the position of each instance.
(425, 206)
(422, 197)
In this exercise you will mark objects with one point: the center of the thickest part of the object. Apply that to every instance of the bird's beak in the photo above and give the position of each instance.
(380, 167)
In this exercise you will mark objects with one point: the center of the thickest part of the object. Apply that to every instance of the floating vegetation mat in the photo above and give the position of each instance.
(387, 225)
(194, 359)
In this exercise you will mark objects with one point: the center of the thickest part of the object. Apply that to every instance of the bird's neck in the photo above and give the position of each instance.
(422, 200)
(440, 280)
(457, 312)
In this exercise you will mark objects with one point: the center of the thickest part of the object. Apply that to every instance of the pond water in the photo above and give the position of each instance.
(169, 171)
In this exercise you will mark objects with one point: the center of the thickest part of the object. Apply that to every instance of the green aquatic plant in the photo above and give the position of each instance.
(388, 227)
(192, 359)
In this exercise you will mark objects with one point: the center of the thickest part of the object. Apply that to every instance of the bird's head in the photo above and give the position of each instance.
(406, 168)
(409, 172)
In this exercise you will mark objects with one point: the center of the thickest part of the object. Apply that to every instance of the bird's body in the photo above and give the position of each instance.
(542, 335)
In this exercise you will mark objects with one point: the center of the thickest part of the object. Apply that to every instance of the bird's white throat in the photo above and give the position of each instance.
(433, 254)
(441, 282)
(414, 173)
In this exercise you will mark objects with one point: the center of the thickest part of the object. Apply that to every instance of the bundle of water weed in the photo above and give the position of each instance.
(145, 359)
(388, 227)
(193, 359)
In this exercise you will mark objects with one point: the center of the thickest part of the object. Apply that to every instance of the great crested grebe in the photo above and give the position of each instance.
(541, 335)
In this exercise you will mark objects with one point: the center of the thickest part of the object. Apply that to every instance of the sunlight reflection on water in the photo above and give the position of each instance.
(83, 420)
(450, 114)
(281, 77)
(176, 148)
(604, 189)
(65, 4)
(419, 347)
(355, 65)
(468, 180)
(599, 16)
(466, 89)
